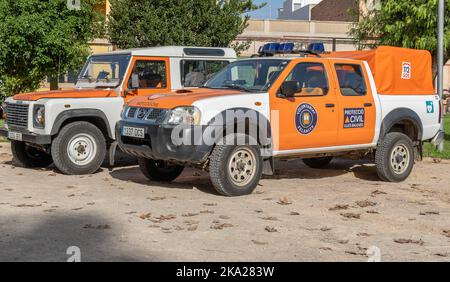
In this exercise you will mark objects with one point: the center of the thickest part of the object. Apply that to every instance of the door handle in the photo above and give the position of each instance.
(330, 105)
(368, 105)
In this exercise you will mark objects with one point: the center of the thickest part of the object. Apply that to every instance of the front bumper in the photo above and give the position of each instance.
(29, 137)
(158, 144)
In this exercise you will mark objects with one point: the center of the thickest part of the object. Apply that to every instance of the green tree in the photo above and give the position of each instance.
(43, 37)
(211, 23)
(403, 23)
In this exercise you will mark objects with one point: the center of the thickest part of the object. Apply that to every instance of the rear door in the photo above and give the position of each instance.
(310, 119)
(357, 109)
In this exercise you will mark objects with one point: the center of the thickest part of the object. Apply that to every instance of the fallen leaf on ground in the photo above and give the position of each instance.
(210, 204)
(271, 229)
(207, 212)
(157, 198)
(372, 212)
(339, 208)
(27, 206)
(363, 235)
(77, 209)
(166, 217)
(224, 217)
(284, 201)
(52, 174)
(351, 215)
(294, 213)
(409, 241)
(325, 249)
(325, 229)
(378, 192)
(259, 243)
(145, 216)
(365, 204)
(269, 218)
(50, 210)
(220, 226)
(191, 222)
(193, 228)
(446, 233)
(71, 195)
(189, 214)
(429, 213)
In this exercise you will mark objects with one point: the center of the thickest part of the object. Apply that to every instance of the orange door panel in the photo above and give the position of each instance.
(357, 113)
(157, 89)
(309, 120)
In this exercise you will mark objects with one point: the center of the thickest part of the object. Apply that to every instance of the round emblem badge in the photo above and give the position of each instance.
(306, 119)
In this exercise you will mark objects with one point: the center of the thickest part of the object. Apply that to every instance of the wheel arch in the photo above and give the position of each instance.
(402, 120)
(94, 116)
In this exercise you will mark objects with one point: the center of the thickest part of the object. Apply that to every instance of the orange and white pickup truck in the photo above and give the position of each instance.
(75, 128)
(379, 104)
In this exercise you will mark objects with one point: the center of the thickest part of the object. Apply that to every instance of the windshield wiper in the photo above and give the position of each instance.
(237, 87)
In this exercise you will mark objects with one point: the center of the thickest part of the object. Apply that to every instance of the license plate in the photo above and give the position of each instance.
(15, 136)
(133, 132)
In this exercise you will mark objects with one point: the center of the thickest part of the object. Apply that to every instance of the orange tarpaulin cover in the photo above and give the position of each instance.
(397, 71)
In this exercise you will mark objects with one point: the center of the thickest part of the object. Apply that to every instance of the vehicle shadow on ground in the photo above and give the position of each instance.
(295, 169)
(49, 240)
(189, 180)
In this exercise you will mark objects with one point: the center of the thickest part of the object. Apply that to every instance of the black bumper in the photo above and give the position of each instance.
(158, 144)
(29, 137)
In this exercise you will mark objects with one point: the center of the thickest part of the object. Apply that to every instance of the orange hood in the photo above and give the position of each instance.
(65, 94)
(179, 98)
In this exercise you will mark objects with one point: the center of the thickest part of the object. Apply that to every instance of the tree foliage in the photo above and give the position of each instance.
(403, 23)
(40, 38)
(211, 23)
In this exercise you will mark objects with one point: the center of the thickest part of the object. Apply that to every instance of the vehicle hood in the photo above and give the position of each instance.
(66, 94)
(180, 98)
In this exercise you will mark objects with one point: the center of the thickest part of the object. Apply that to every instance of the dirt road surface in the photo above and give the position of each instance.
(337, 214)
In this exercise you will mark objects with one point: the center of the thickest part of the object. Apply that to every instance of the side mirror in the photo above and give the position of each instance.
(290, 88)
(135, 83)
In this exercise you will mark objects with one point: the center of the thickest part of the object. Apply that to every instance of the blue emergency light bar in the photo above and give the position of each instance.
(289, 48)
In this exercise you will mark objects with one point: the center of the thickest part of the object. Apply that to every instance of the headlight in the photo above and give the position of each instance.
(39, 116)
(184, 116)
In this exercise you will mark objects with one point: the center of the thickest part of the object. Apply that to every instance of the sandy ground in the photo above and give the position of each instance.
(300, 215)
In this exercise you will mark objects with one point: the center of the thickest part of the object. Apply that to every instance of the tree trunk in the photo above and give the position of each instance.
(54, 82)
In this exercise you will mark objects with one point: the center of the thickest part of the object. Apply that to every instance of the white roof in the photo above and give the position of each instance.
(174, 51)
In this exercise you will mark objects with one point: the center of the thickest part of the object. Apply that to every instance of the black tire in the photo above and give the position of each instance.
(318, 163)
(29, 157)
(60, 146)
(395, 167)
(159, 171)
(220, 170)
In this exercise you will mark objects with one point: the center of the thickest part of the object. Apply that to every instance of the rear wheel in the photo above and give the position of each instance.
(79, 149)
(318, 163)
(395, 157)
(29, 157)
(160, 171)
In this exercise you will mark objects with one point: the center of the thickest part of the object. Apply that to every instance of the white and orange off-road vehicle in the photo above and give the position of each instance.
(378, 103)
(75, 128)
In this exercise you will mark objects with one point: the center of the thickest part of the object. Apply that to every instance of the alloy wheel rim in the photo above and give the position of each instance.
(400, 159)
(242, 167)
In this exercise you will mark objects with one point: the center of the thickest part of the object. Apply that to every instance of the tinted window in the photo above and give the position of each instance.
(312, 78)
(152, 74)
(194, 73)
(351, 80)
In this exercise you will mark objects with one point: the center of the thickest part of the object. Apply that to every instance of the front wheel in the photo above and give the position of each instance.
(235, 170)
(394, 157)
(160, 171)
(29, 157)
(79, 149)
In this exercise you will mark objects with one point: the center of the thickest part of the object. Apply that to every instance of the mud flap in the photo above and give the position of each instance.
(269, 166)
(112, 153)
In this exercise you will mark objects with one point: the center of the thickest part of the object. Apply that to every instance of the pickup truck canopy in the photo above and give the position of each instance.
(397, 71)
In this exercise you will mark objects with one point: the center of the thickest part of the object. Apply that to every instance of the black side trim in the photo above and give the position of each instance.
(80, 113)
(399, 115)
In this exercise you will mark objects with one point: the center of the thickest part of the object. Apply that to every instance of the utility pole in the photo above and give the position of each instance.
(440, 54)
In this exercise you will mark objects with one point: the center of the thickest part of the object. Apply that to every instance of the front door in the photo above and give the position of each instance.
(310, 119)
(153, 75)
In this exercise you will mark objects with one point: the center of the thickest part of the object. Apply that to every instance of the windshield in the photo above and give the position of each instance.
(249, 75)
(104, 71)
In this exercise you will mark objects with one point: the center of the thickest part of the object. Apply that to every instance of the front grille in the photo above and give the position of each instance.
(17, 115)
(151, 114)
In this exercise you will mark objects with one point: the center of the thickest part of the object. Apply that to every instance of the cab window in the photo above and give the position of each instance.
(351, 80)
(152, 74)
(195, 73)
(312, 79)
